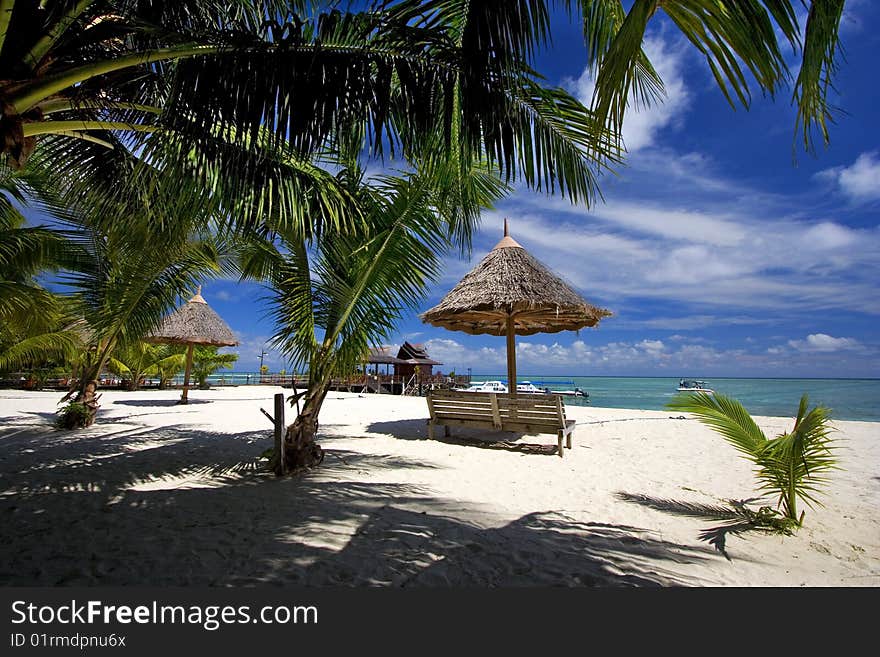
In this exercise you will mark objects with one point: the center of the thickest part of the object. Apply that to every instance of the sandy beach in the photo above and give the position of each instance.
(158, 494)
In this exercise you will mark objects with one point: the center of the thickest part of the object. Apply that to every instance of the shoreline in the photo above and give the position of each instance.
(571, 402)
(167, 495)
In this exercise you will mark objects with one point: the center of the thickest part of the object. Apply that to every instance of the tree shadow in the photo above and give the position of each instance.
(159, 402)
(736, 519)
(537, 549)
(176, 506)
(465, 436)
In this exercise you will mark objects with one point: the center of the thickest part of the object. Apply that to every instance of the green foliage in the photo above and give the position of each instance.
(206, 361)
(74, 416)
(790, 466)
(136, 360)
(739, 40)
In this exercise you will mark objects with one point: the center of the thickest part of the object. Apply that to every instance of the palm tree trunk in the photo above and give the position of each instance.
(300, 447)
(89, 372)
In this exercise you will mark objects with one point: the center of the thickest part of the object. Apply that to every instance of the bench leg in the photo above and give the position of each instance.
(559, 440)
(446, 430)
(568, 439)
(430, 430)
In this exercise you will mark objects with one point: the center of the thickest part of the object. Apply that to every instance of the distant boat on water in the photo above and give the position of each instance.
(486, 386)
(522, 388)
(577, 392)
(692, 385)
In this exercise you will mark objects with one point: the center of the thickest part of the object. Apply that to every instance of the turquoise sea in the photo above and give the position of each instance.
(849, 399)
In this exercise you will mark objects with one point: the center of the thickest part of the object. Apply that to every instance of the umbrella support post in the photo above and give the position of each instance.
(511, 364)
(184, 398)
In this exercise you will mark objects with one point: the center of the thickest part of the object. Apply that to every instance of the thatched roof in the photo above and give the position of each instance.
(415, 354)
(509, 281)
(194, 323)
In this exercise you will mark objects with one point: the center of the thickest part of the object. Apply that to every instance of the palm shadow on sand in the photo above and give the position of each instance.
(175, 506)
(159, 402)
(733, 518)
(508, 441)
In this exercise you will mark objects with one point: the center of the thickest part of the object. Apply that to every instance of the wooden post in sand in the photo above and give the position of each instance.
(279, 433)
(184, 397)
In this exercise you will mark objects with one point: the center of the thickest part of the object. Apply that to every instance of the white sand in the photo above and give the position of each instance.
(168, 495)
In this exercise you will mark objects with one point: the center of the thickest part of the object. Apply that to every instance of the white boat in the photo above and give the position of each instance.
(692, 385)
(577, 392)
(486, 386)
(528, 388)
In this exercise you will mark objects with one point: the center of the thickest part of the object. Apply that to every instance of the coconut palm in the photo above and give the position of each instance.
(333, 297)
(130, 274)
(206, 361)
(81, 68)
(137, 360)
(40, 341)
(25, 251)
(208, 88)
(791, 465)
(738, 38)
(33, 320)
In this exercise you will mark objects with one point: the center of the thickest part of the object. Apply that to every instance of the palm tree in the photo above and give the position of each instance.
(223, 92)
(138, 359)
(42, 341)
(83, 68)
(738, 38)
(33, 321)
(789, 466)
(172, 365)
(206, 361)
(25, 251)
(336, 295)
(129, 274)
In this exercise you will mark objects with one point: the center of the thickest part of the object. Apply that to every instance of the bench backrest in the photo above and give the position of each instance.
(500, 409)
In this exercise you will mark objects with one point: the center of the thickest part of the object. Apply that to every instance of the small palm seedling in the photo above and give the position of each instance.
(790, 466)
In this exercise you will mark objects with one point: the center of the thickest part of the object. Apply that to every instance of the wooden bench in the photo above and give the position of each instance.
(488, 410)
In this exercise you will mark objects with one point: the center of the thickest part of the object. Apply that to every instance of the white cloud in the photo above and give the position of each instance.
(674, 223)
(652, 346)
(642, 125)
(698, 322)
(824, 342)
(681, 358)
(730, 249)
(859, 181)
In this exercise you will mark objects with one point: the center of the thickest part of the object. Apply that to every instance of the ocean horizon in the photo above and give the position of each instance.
(848, 398)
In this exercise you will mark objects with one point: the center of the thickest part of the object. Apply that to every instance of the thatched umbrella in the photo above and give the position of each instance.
(511, 293)
(194, 323)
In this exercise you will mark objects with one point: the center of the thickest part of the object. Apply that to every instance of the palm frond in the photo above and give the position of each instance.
(59, 346)
(726, 416)
(818, 67)
(790, 466)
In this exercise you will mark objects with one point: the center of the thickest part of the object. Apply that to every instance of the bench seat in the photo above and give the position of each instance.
(488, 410)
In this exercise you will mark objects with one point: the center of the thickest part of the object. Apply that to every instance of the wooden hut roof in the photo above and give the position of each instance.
(415, 354)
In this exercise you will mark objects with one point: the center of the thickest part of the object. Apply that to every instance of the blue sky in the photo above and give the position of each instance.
(720, 250)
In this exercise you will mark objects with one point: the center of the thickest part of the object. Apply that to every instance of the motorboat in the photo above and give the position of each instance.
(486, 386)
(577, 392)
(692, 385)
(528, 388)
